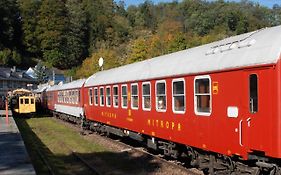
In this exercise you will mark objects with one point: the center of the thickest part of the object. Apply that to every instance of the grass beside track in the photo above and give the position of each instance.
(45, 137)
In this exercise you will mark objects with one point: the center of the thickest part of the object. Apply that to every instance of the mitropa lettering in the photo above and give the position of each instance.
(109, 115)
(171, 125)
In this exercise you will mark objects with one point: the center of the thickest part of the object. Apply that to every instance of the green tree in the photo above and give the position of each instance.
(99, 19)
(29, 13)
(138, 51)
(51, 32)
(178, 43)
(76, 33)
(10, 30)
(40, 73)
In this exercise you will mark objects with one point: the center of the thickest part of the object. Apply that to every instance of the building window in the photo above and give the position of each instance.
(90, 96)
(101, 96)
(9, 84)
(108, 97)
(146, 96)
(115, 96)
(124, 96)
(179, 96)
(96, 98)
(134, 96)
(253, 93)
(161, 97)
(202, 100)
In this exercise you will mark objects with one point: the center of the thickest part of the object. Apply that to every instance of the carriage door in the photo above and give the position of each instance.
(251, 125)
(251, 107)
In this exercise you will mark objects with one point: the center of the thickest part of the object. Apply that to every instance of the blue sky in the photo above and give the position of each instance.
(268, 3)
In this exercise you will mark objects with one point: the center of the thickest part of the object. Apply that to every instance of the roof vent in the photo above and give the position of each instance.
(246, 43)
(233, 46)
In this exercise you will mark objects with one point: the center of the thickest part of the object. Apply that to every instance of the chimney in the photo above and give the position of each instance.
(13, 69)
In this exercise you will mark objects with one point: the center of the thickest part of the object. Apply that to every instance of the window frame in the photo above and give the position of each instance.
(124, 85)
(156, 106)
(132, 107)
(26, 101)
(90, 96)
(77, 96)
(207, 114)
(142, 96)
(184, 94)
(101, 87)
(106, 101)
(251, 107)
(96, 102)
(113, 99)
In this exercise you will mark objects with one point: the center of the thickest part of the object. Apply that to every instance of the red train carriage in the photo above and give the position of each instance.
(51, 97)
(222, 98)
(41, 97)
(67, 100)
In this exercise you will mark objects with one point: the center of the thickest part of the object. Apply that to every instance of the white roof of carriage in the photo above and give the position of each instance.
(255, 48)
(72, 85)
(53, 88)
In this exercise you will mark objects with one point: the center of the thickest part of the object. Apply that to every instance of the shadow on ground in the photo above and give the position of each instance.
(46, 162)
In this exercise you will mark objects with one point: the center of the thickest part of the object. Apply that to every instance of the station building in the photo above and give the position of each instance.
(11, 79)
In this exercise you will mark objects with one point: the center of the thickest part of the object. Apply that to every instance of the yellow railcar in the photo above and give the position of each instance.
(26, 104)
(23, 102)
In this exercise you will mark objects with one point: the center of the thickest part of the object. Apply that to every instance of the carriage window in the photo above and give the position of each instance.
(26, 101)
(124, 96)
(178, 96)
(134, 97)
(21, 101)
(64, 96)
(115, 96)
(67, 97)
(71, 96)
(108, 97)
(146, 98)
(202, 96)
(90, 96)
(60, 96)
(32, 101)
(96, 96)
(253, 93)
(78, 96)
(101, 96)
(161, 96)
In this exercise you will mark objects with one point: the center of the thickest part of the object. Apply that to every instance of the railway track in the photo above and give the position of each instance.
(172, 163)
(82, 161)
(130, 148)
(91, 167)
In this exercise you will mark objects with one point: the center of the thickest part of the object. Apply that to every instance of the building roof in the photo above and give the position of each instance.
(251, 49)
(72, 85)
(15, 75)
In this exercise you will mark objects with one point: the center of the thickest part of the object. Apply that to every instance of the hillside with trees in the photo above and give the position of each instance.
(73, 34)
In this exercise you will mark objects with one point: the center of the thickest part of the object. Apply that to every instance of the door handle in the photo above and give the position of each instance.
(249, 122)
(240, 133)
